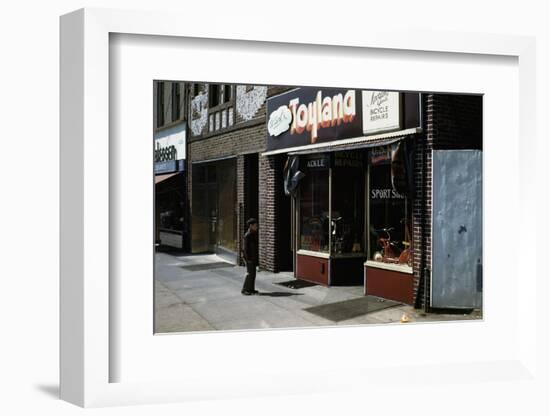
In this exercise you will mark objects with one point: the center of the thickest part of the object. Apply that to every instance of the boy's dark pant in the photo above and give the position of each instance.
(250, 279)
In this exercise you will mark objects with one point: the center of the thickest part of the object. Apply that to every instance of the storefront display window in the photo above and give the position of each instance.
(390, 236)
(171, 213)
(314, 207)
(171, 225)
(347, 203)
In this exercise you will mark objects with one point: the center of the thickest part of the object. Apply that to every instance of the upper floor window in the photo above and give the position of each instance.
(160, 104)
(226, 93)
(176, 101)
(219, 94)
(214, 95)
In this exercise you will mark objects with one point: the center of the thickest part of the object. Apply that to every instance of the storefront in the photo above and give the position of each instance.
(350, 176)
(171, 216)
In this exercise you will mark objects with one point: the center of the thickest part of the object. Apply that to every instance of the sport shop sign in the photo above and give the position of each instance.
(313, 115)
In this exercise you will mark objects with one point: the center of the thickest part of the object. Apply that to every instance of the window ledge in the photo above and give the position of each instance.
(347, 255)
(402, 268)
(313, 253)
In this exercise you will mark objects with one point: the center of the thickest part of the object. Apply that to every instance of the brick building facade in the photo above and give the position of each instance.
(234, 128)
(169, 135)
(232, 175)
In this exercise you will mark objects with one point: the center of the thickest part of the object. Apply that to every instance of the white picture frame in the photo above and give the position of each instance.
(86, 354)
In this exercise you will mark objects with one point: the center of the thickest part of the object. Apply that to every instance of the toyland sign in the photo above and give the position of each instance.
(317, 115)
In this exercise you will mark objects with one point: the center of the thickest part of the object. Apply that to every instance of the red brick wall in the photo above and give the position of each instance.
(267, 218)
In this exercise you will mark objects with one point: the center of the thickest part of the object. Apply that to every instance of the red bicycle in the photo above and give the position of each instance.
(391, 252)
(406, 255)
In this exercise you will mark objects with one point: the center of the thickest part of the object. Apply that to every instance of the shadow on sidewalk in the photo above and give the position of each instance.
(278, 294)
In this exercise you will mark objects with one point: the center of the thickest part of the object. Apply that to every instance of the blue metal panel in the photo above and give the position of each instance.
(456, 278)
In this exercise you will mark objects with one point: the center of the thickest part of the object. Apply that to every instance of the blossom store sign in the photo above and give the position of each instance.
(169, 147)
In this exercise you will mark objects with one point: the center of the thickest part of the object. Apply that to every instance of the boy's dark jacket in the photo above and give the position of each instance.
(250, 247)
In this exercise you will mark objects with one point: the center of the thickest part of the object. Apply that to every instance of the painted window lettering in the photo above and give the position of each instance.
(319, 163)
(385, 194)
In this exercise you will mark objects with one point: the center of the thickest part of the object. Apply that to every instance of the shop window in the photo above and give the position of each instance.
(314, 209)
(390, 235)
(347, 203)
(171, 212)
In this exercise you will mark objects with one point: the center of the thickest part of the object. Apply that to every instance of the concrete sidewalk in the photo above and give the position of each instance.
(203, 293)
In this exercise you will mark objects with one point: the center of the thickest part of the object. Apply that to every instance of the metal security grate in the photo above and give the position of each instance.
(296, 284)
(207, 266)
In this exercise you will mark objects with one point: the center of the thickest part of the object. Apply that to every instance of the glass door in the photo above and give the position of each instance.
(226, 212)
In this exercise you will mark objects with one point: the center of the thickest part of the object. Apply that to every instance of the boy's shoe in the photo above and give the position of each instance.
(246, 292)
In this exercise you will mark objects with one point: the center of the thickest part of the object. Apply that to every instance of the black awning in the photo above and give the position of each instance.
(350, 146)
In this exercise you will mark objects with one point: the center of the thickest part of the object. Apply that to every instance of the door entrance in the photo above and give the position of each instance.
(213, 216)
(214, 219)
(203, 208)
(226, 212)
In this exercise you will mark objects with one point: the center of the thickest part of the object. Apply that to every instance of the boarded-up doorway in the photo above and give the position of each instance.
(457, 229)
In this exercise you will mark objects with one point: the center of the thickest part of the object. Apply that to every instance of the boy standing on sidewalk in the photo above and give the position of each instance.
(250, 256)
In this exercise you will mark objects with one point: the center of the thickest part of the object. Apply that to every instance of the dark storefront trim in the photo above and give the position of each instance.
(218, 159)
(348, 144)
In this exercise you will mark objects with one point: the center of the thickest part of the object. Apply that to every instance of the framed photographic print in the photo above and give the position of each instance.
(291, 213)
